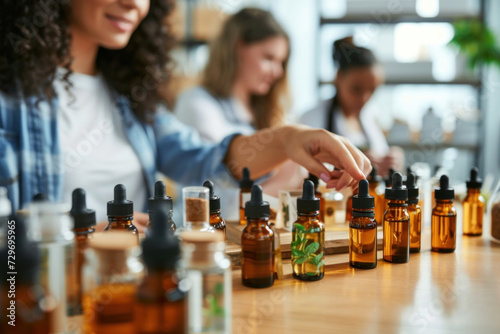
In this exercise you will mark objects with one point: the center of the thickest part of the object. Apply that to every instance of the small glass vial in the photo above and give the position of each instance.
(160, 201)
(111, 274)
(216, 220)
(209, 272)
(196, 210)
(160, 305)
(363, 230)
(444, 219)
(318, 194)
(245, 189)
(397, 223)
(473, 206)
(26, 308)
(308, 237)
(84, 228)
(51, 226)
(257, 243)
(415, 213)
(377, 191)
(121, 213)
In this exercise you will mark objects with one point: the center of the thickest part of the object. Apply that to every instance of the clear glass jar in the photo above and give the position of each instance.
(494, 214)
(196, 210)
(209, 272)
(111, 275)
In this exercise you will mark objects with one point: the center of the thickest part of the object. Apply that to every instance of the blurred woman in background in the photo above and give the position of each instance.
(358, 76)
(244, 87)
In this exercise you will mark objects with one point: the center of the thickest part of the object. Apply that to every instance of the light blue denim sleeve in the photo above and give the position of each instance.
(185, 157)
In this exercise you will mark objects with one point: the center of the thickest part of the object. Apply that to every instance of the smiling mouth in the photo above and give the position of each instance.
(120, 23)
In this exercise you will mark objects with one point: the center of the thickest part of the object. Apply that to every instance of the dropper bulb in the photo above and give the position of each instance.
(256, 194)
(246, 174)
(397, 181)
(210, 185)
(79, 202)
(410, 180)
(160, 190)
(120, 193)
(444, 182)
(473, 174)
(308, 190)
(363, 188)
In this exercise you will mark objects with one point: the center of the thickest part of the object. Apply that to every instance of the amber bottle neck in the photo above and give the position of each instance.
(215, 212)
(125, 219)
(84, 231)
(473, 191)
(444, 202)
(260, 221)
(311, 214)
(397, 203)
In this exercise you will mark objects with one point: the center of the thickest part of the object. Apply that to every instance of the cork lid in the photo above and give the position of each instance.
(196, 237)
(199, 247)
(113, 241)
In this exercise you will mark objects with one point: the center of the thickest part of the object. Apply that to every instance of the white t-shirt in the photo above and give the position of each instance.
(95, 152)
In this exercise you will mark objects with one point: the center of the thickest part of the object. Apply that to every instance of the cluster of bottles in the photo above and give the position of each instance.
(402, 220)
(176, 280)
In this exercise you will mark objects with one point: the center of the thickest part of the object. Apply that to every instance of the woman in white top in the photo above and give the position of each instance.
(357, 78)
(244, 86)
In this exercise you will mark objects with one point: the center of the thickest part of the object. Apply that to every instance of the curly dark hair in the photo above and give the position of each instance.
(36, 40)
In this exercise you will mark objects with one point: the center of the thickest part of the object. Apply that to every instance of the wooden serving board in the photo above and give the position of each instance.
(336, 242)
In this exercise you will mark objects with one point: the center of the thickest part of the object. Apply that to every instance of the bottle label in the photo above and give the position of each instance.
(307, 250)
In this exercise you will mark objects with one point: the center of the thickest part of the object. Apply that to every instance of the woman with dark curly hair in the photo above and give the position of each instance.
(79, 108)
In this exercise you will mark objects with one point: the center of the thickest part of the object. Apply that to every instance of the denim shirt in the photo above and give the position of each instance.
(30, 154)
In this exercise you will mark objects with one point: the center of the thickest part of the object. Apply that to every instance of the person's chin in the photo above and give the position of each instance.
(116, 43)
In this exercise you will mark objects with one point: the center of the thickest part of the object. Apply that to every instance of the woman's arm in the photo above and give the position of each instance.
(267, 149)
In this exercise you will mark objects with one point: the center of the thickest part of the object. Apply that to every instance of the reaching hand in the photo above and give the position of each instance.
(311, 147)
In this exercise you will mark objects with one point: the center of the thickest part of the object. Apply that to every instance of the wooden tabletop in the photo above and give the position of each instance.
(433, 293)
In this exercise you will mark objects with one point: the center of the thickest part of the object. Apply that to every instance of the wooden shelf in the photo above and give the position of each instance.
(394, 19)
(471, 82)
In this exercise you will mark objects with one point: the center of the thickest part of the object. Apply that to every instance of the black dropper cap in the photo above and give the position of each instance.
(256, 208)
(363, 200)
(314, 179)
(308, 202)
(120, 206)
(444, 191)
(411, 180)
(246, 182)
(160, 199)
(40, 197)
(160, 249)
(214, 200)
(83, 217)
(28, 254)
(388, 181)
(474, 182)
(374, 177)
(397, 191)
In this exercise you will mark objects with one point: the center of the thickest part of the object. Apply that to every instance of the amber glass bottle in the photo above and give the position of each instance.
(25, 306)
(257, 243)
(444, 219)
(160, 201)
(473, 206)
(388, 184)
(318, 194)
(376, 190)
(397, 223)
(160, 305)
(363, 230)
(111, 274)
(415, 213)
(85, 222)
(216, 220)
(348, 209)
(245, 189)
(121, 213)
(308, 237)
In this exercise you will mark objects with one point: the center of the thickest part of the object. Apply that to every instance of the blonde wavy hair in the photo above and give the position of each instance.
(249, 25)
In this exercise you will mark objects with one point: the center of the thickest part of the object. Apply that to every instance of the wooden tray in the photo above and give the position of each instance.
(335, 242)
